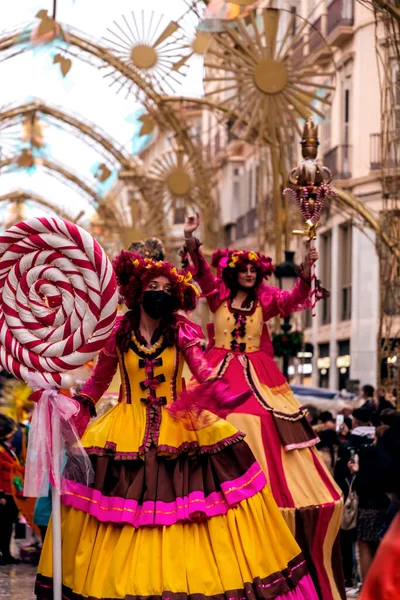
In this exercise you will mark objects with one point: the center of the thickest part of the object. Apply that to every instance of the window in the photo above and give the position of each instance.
(345, 273)
(293, 10)
(323, 364)
(228, 235)
(308, 319)
(343, 363)
(179, 212)
(250, 187)
(326, 274)
(346, 109)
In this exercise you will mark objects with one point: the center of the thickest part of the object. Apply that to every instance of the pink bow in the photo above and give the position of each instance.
(51, 434)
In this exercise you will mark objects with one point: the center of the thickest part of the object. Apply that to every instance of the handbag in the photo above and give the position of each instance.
(350, 509)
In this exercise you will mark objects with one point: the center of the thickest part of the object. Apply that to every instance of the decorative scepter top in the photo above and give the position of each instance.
(309, 186)
(310, 142)
(309, 173)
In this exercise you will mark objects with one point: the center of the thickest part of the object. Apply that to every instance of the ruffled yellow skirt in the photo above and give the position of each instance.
(210, 557)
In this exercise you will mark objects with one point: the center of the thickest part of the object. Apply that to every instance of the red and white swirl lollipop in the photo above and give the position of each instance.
(58, 299)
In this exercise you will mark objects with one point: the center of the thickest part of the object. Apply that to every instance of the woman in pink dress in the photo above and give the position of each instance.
(275, 424)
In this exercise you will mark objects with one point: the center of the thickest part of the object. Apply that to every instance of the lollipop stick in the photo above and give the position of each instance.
(56, 505)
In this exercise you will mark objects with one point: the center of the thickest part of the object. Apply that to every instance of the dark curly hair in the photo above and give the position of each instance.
(230, 262)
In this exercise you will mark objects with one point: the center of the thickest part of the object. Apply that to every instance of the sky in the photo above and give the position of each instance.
(84, 92)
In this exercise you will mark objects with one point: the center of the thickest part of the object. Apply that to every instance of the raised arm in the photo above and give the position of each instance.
(201, 270)
(283, 302)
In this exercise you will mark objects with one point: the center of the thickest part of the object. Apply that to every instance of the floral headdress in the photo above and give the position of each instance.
(236, 259)
(135, 272)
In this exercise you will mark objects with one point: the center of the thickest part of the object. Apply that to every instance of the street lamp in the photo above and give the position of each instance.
(286, 275)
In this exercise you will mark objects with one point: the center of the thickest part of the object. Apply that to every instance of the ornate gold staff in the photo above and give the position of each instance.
(309, 186)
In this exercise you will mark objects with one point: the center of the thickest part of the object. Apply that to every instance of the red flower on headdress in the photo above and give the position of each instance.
(134, 273)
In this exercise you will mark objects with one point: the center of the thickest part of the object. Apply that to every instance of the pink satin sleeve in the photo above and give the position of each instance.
(281, 302)
(103, 374)
(190, 336)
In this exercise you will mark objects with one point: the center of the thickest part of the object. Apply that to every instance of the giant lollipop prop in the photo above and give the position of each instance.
(58, 304)
(310, 188)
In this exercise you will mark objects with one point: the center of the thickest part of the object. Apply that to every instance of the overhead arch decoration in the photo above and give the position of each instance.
(26, 161)
(77, 45)
(22, 197)
(93, 134)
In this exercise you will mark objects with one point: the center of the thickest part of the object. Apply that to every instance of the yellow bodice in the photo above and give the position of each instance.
(238, 330)
(149, 382)
(146, 374)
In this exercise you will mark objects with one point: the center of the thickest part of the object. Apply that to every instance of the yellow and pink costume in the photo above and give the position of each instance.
(277, 431)
(173, 513)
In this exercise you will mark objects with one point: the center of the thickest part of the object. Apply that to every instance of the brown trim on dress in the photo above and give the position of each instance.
(260, 588)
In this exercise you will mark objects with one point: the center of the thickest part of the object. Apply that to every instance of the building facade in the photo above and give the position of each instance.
(344, 334)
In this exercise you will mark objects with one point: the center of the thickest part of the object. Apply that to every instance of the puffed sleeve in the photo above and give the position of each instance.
(281, 302)
(190, 337)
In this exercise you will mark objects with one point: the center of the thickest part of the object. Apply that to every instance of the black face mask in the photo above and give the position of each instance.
(157, 304)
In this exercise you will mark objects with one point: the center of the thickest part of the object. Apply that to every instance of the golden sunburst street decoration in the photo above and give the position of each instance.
(173, 179)
(259, 72)
(152, 44)
(196, 46)
(172, 182)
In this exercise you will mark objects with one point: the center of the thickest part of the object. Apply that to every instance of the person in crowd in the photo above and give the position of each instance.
(42, 514)
(312, 414)
(373, 501)
(329, 441)
(383, 579)
(8, 509)
(344, 431)
(368, 397)
(383, 402)
(362, 435)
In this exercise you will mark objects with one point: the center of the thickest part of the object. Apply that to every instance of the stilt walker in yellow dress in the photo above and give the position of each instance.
(175, 511)
(275, 424)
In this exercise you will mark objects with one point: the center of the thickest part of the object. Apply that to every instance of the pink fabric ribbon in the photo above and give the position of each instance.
(52, 436)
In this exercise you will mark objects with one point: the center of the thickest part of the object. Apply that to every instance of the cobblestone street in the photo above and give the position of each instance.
(16, 582)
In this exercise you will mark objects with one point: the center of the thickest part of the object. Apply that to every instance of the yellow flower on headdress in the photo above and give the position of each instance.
(253, 256)
(135, 262)
(234, 260)
(186, 279)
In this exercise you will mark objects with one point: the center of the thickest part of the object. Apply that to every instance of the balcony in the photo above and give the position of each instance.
(317, 44)
(241, 228)
(340, 22)
(315, 38)
(338, 160)
(388, 159)
(252, 221)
